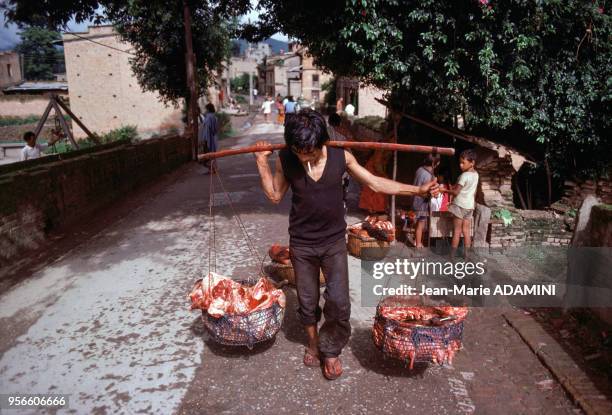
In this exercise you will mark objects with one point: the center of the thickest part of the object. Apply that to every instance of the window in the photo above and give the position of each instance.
(9, 69)
(315, 96)
(315, 81)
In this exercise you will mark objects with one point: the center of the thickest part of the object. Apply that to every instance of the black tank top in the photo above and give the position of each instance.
(317, 208)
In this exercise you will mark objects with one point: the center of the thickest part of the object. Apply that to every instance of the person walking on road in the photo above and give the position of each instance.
(317, 228)
(208, 135)
(267, 108)
(290, 105)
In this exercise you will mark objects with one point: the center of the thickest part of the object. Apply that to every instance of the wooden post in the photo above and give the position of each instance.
(92, 136)
(41, 122)
(62, 121)
(192, 104)
(396, 119)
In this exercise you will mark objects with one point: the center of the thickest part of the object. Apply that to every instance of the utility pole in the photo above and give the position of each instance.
(250, 88)
(192, 104)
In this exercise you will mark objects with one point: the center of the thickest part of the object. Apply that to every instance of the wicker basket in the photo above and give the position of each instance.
(413, 342)
(367, 248)
(245, 330)
(285, 272)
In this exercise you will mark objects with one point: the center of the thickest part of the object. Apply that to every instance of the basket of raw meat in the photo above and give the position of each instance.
(412, 333)
(281, 265)
(370, 239)
(238, 313)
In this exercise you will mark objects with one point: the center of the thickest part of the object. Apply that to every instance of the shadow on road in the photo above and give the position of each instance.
(372, 359)
(240, 352)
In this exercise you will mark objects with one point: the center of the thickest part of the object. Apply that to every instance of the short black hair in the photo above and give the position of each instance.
(431, 159)
(334, 119)
(210, 107)
(306, 131)
(469, 155)
(28, 135)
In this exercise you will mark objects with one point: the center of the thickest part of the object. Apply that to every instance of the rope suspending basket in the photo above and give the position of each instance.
(237, 313)
(418, 334)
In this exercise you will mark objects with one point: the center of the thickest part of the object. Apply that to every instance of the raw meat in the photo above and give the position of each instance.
(280, 254)
(220, 295)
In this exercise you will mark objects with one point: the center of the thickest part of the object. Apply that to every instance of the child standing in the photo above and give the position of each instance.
(33, 150)
(462, 206)
(420, 205)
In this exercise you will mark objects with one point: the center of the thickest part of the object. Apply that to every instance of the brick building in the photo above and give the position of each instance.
(294, 73)
(104, 92)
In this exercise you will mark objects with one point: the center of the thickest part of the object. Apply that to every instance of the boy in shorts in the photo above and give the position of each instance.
(462, 206)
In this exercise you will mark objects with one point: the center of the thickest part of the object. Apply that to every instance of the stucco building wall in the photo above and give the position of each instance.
(10, 69)
(104, 92)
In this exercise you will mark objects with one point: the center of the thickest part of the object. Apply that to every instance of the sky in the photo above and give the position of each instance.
(9, 36)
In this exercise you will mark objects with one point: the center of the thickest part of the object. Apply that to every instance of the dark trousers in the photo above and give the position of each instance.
(332, 259)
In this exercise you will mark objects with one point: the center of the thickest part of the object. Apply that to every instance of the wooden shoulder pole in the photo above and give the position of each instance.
(411, 148)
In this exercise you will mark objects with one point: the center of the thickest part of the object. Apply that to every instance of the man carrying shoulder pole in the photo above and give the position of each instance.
(317, 228)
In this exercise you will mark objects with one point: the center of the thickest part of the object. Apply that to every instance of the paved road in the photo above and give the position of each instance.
(108, 323)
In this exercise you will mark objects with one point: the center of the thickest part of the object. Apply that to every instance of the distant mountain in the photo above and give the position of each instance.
(275, 44)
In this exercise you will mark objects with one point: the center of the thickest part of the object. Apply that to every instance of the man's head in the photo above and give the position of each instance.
(334, 120)
(305, 134)
(467, 160)
(210, 107)
(432, 160)
(30, 138)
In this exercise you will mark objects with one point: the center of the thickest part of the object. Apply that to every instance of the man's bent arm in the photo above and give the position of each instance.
(384, 185)
(275, 186)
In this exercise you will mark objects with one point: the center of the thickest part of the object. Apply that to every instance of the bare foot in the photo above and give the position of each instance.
(311, 358)
(332, 368)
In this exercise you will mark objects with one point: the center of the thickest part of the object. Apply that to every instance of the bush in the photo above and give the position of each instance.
(225, 122)
(240, 84)
(127, 132)
(373, 122)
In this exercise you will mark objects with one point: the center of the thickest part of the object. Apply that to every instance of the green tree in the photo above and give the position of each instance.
(155, 30)
(534, 72)
(40, 55)
(240, 84)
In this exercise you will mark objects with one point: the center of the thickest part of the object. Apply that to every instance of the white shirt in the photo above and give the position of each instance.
(469, 182)
(350, 110)
(28, 153)
(436, 202)
(266, 107)
(254, 92)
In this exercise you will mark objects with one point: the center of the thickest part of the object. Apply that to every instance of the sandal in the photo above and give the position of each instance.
(311, 359)
(336, 370)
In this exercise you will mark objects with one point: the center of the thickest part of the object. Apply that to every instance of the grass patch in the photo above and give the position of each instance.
(8, 121)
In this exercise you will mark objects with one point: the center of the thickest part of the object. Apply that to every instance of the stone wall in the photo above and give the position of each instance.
(576, 190)
(45, 195)
(495, 179)
(529, 227)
